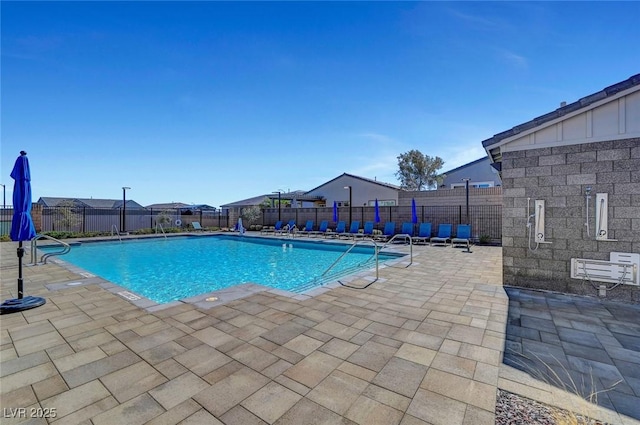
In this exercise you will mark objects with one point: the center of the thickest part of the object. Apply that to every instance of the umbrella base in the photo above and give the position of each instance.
(18, 304)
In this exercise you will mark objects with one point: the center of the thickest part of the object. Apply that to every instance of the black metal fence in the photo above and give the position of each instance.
(6, 214)
(485, 220)
(85, 219)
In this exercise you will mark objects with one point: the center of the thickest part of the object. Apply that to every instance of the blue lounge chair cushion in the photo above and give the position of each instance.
(424, 233)
(444, 234)
(463, 235)
(407, 229)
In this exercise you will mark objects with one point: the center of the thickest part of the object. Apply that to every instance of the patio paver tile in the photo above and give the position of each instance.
(27, 377)
(339, 348)
(36, 343)
(202, 360)
(253, 356)
(338, 391)
(366, 411)
(436, 409)
(303, 344)
(241, 416)
(50, 387)
(90, 371)
(136, 411)
(401, 376)
(313, 369)
(387, 397)
(177, 390)
(76, 398)
(230, 391)
(271, 401)
(416, 354)
(132, 381)
(79, 359)
(305, 409)
(372, 355)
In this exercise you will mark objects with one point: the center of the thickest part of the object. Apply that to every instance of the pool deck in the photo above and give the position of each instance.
(422, 345)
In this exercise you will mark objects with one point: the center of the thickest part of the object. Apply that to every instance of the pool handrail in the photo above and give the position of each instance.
(405, 236)
(45, 257)
(113, 226)
(353, 245)
(161, 229)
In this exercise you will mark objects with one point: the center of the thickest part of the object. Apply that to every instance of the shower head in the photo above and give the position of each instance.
(587, 191)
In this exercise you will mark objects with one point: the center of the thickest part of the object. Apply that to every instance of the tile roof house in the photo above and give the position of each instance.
(48, 201)
(181, 206)
(364, 191)
(479, 172)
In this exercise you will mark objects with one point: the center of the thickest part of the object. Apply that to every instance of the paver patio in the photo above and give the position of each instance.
(423, 345)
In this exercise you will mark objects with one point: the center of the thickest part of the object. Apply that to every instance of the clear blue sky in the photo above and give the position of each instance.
(213, 102)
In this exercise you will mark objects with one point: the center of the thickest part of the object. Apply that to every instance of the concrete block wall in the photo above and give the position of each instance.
(560, 176)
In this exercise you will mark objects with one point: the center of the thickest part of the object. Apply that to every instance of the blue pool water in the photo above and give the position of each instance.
(165, 270)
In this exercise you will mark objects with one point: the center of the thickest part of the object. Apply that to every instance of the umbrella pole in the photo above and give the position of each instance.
(20, 282)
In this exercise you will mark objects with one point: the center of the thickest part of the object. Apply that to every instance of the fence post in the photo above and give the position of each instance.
(84, 219)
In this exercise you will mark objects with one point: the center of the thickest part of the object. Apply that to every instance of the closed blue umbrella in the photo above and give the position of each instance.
(335, 211)
(22, 229)
(377, 209)
(414, 214)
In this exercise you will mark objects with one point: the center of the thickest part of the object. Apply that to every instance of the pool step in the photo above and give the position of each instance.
(332, 277)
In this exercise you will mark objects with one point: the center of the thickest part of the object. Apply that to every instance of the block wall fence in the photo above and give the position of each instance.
(560, 176)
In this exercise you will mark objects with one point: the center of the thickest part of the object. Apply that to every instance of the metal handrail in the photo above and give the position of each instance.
(375, 253)
(404, 235)
(113, 226)
(161, 229)
(45, 257)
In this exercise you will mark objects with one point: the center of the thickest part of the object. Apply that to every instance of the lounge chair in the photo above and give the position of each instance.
(272, 229)
(290, 227)
(388, 232)
(367, 232)
(307, 229)
(424, 233)
(463, 235)
(353, 230)
(341, 229)
(324, 225)
(407, 229)
(444, 234)
(196, 226)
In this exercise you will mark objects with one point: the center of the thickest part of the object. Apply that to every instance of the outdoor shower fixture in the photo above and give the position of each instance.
(539, 212)
(587, 195)
(602, 225)
(537, 226)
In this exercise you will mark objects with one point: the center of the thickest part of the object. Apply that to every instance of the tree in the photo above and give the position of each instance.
(416, 170)
(251, 214)
(66, 217)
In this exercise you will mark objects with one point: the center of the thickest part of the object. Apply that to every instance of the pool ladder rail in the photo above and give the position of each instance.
(117, 232)
(43, 260)
(159, 225)
(376, 250)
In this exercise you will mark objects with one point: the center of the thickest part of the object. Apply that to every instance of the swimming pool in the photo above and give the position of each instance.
(166, 270)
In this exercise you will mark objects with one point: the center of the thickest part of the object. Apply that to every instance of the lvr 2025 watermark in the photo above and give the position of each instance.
(29, 412)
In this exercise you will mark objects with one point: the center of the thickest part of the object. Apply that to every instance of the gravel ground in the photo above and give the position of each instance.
(512, 409)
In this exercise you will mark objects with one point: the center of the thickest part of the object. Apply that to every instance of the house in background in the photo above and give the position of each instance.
(571, 190)
(182, 207)
(479, 172)
(363, 192)
(48, 201)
